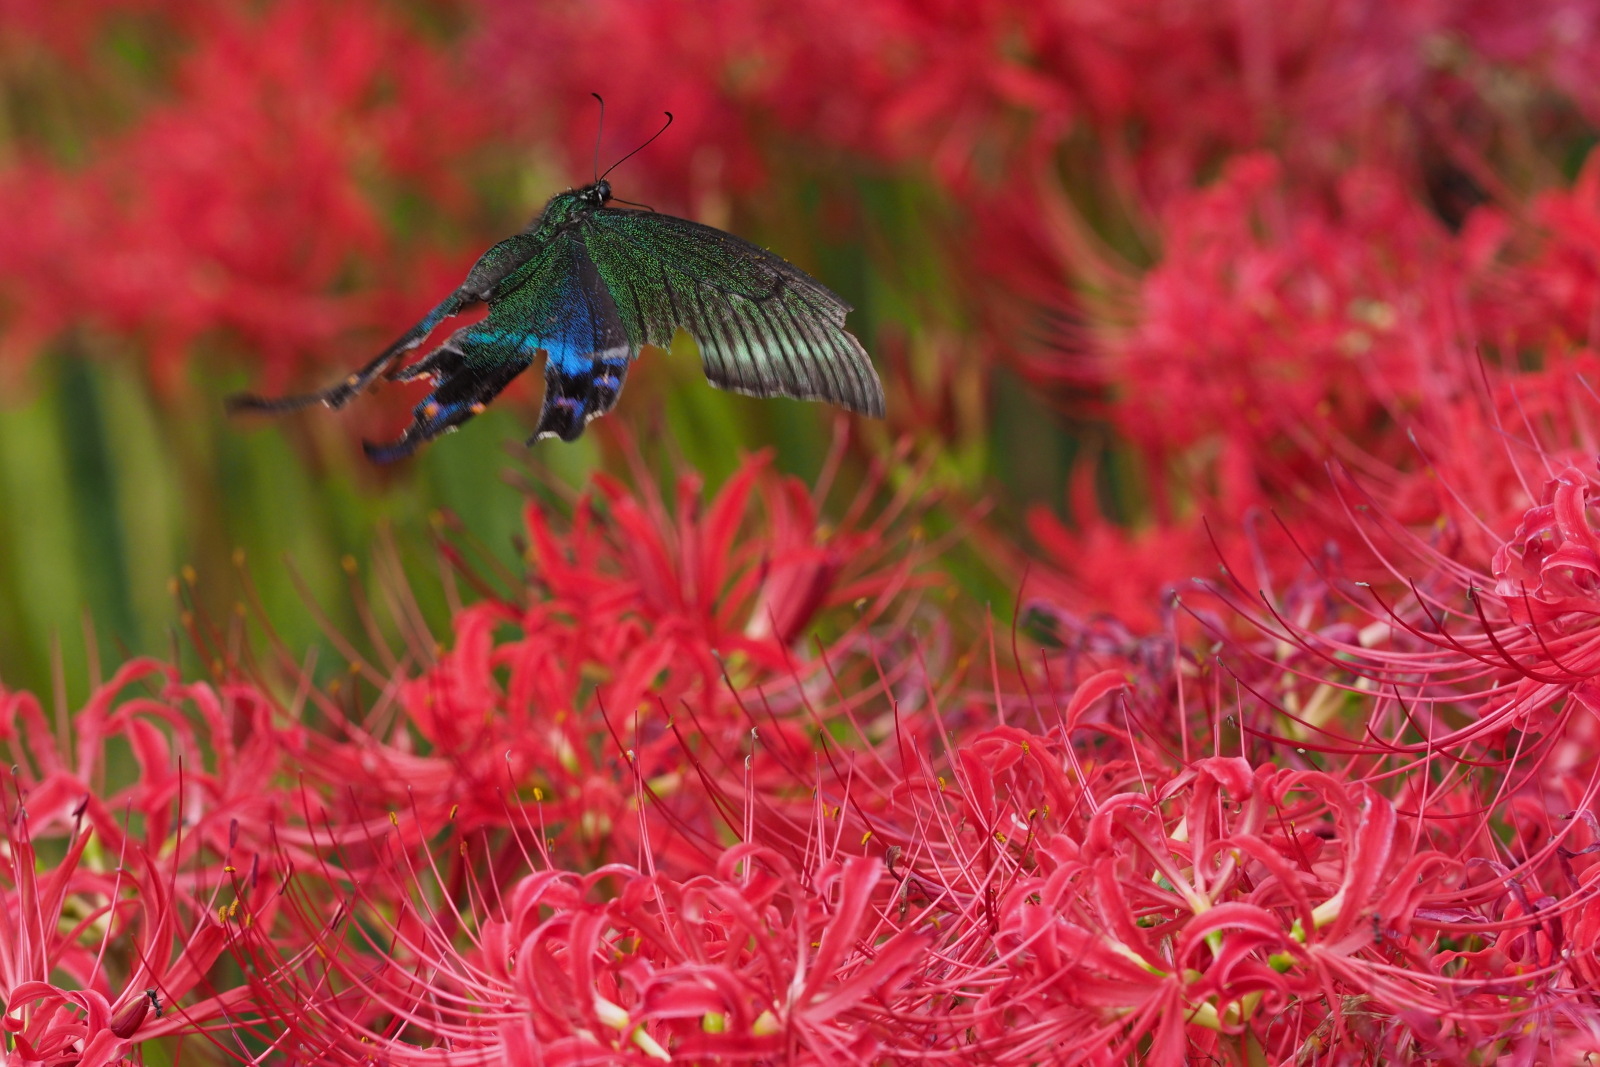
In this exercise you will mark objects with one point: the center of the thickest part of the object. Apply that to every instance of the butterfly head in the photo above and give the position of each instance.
(566, 209)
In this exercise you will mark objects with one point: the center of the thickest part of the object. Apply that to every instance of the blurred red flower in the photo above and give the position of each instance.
(245, 204)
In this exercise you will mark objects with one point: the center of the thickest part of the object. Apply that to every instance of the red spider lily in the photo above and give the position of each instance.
(1152, 919)
(107, 931)
(1255, 356)
(1460, 687)
(628, 812)
(1074, 893)
(1548, 296)
(808, 953)
(1521, 650)
(637, 623)
(1173, 93)
(964, 87)
(1268, 320)
(214, 767)
(748, 962)
(894, 863)
(241, 205)
(1493, 695)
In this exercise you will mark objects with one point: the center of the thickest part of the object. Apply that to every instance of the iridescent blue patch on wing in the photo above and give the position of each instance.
(578, 389)
(560, 307)
(570, 359)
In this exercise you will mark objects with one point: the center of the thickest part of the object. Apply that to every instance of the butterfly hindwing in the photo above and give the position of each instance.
(470, 369)
(764, 326)
(555, 301)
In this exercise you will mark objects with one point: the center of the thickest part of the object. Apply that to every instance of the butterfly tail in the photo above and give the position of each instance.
(577, 389)
(464, 389)
(337, 396)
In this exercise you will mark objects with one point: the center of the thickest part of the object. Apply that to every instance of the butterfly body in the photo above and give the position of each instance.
(589, 286)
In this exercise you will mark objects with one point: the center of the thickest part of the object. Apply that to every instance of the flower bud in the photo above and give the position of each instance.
(128, 1018)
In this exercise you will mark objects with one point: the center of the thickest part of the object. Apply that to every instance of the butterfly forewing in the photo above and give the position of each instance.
(764, 326)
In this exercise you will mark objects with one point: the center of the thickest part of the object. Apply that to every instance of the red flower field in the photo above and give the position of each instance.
(1200, 664)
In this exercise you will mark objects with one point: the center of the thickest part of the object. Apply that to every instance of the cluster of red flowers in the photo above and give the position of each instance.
(975, 91)
(727, 778)
(621, 814)
(249, 200)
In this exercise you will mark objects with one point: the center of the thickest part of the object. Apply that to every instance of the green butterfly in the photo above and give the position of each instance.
(590, 285)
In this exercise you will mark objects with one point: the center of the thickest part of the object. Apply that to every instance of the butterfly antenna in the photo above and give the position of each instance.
(598, 130)
(642, 147)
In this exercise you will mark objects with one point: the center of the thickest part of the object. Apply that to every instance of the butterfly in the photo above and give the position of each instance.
(589, 285)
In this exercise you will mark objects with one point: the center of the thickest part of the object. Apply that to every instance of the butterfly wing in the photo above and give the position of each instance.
(496, 272)
(555, 301)
(764, 326)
